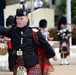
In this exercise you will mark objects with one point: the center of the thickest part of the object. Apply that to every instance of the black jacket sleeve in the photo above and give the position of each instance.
(47, 47)
(4, 31)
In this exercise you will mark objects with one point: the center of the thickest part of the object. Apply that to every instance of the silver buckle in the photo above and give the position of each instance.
(19, 52)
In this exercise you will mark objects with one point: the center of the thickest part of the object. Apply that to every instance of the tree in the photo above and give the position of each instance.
(62, 7)
(44, 4)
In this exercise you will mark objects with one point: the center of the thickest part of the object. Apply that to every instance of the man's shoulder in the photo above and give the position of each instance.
(35, 29)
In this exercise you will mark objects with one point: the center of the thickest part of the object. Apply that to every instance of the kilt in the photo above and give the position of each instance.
(19, 60)
(36, 70)
(43, 68)
(68, 48)
(46, 66)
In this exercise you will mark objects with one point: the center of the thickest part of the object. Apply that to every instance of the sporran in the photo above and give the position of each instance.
(64, 47)
(21, 70)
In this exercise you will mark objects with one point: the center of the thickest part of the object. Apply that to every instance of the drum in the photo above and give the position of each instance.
(3, 48)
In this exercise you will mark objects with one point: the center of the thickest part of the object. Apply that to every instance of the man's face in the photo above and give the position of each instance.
(21, 21)
(63, 26)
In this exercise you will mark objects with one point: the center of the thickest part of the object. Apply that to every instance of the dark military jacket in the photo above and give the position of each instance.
(28, 41)
(61, 34)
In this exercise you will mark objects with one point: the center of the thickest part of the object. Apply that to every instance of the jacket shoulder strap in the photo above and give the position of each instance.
(35, 32)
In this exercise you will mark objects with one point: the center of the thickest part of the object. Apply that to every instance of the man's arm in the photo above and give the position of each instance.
(47, 47)
(4, 31)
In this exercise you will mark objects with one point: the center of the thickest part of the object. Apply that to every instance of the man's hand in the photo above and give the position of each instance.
(55, 58)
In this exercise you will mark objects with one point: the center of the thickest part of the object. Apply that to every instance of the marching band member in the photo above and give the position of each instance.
(24, 54)
(63, 35)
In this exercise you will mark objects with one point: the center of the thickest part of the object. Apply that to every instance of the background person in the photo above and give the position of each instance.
(9, 23)
(63, 35)
(38, 4)
(42, 26)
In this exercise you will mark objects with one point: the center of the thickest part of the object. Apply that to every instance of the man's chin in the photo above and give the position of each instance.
(21, 26)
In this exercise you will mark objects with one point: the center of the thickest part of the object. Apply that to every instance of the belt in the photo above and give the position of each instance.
(28, 52)
(24, 52)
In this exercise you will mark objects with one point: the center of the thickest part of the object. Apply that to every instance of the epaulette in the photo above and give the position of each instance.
(34, 33)
(35, 29)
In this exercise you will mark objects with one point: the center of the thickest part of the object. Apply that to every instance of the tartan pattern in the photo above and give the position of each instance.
(68, 48)
(36, 70)
(40, 69)
(46, 66)
(18, 64)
